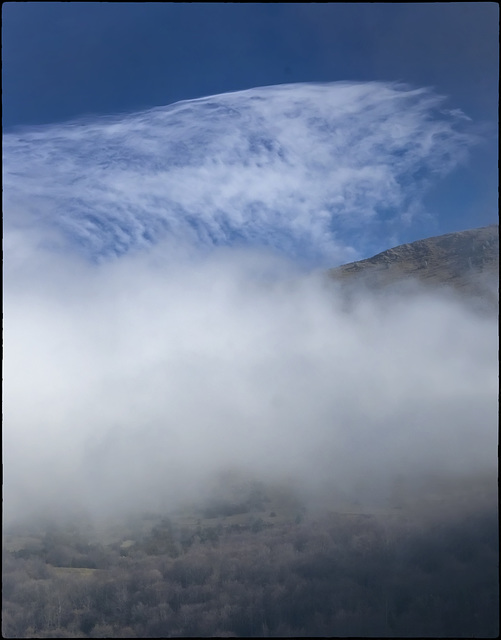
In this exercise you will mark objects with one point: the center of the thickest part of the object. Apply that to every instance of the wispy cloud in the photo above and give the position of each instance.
(300, 168)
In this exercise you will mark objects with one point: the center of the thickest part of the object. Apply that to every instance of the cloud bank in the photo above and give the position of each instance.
(128, 384)
(319, 172)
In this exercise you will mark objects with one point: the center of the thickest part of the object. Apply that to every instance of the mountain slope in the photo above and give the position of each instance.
(467, 261)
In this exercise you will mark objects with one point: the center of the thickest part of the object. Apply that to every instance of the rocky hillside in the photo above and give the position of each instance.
(467, 261)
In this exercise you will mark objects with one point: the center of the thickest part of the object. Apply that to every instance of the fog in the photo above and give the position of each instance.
(129, 384)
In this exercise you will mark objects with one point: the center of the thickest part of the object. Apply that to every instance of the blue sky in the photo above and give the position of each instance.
(67, 61)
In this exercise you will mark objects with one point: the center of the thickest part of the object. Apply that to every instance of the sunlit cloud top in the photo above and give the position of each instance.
(317, 172)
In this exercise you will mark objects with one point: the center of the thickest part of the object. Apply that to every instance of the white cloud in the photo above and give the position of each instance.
(129, 383)
(299, 168)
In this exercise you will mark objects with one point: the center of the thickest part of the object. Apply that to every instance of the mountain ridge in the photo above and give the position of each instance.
(466, 261)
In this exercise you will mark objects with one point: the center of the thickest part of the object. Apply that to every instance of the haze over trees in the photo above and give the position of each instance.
(402, 571)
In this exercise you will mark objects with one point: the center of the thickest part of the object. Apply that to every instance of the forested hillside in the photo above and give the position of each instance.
(266, 566)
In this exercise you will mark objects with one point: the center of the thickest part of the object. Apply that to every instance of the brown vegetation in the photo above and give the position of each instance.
(323, 574)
